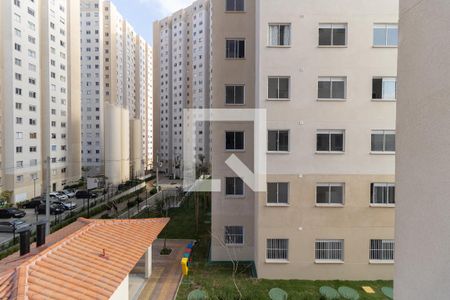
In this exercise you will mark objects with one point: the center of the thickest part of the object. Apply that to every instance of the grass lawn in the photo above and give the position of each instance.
(216, 279)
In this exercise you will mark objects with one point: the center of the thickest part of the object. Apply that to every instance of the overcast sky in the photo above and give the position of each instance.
(141, 13)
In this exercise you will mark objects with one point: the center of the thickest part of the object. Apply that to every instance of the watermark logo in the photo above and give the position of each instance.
(256, 179)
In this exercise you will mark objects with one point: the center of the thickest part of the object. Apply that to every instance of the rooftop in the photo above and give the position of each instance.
(88, 259)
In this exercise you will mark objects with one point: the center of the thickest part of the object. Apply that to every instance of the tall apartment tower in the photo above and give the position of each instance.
(113, 119)
(422, 224)
(40, 96)
(181, 80)
(326, 77)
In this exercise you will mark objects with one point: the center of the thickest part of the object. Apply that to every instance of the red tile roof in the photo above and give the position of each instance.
(85, 260)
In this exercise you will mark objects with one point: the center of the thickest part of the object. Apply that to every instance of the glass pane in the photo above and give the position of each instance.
(273, 88)
(324, 36)
(229, 186)
(283, 140)
(337, 195)
(392, 36)
(323, 142)
(241, 52)
(284, 88)
(273, 35)
(377, 84)
(239, 5)
(229, 140)
(230, 49)
(390, 142)
(283, 188)
(377, 142)
(378, 194)
(285, 35)
(338, 90)
(271, 192)
(389, 86)
(337, 142)
(239, 140)
(230, 5)
(339, 37)
(229, 95)
(379, 36)
(324, 89)
(239, 186)
(391, 195)
(272, 138)
(239, 94)
(322, 194)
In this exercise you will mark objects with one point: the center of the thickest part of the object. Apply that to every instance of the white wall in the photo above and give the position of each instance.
(122, 292)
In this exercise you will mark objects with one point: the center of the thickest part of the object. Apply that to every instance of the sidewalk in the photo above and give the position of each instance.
(166, 273)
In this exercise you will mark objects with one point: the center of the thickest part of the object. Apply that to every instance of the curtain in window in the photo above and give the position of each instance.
(273, 35)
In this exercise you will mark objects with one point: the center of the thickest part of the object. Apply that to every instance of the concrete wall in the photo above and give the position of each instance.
(123, 291)
(422, 214)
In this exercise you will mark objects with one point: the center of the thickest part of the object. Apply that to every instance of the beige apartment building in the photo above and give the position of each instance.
(116, 92)
(422, 215)
(325, 71)
(40, 96)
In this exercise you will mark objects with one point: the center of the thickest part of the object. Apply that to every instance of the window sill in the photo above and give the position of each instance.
(382, 152)
(333, 262)
(382, 205)
(331, 99)
(330, 152)
(234, 150)
(278, 152)
(234, 104)
(235, 11)
(277, 261)
(229, 58)
(278, 99)
(234, 196)
(384, 100)
(384, 46)
(380, 262)
(234, 245)
(277, 205)
(278, 46)
(330, 205)
(331, 46)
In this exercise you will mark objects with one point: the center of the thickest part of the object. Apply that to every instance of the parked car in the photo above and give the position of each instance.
(69, 193)
(66, 205)
(85, 195)
(55, 209)
(33, 203)
(6, 213)
(13, 225)
(58, 196)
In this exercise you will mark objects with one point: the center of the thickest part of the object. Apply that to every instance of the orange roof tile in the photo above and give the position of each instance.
(71, 265)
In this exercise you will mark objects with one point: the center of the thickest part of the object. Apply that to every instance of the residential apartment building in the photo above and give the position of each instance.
(181, 64)
(327, 79)
(422, 223)
(114, 93)
(40, 100)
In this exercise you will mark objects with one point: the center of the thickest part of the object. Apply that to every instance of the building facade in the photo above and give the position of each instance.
(181, 75)
(40, 75)
(422, 223)
(115, 94)
(327, 80)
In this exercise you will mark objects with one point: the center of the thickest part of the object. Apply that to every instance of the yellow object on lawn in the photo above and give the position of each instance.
(368, 290)
(184, 266)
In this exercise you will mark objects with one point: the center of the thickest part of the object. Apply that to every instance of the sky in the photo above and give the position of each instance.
(141, 13)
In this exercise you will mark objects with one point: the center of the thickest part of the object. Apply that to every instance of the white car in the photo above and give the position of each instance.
(58, 196)
(68, 193)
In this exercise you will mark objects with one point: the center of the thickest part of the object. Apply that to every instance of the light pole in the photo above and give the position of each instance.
(34, 185)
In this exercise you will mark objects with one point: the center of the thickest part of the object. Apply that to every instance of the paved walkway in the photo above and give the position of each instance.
(166, 272)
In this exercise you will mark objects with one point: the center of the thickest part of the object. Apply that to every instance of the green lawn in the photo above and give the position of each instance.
(216, 279)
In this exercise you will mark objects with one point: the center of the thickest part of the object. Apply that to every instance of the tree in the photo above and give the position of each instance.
(6, 196)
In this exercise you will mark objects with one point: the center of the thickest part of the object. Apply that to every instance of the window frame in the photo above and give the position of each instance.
(383, 79)
(278, 141)
(279, 45)
(386, 26)
(330, 132)
(330, 185)
(235, 10)
(277, 248)
(236, 49)
(288, 98)
(331, 80)
(234, 235)
(277, 203)
(234, 134)
(332, 27)
(387, 186)
(329, 260)
(234, 195)
(384, 132)
(234, 86)
(377, 253)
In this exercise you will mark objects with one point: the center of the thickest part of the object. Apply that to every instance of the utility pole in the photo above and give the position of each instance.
(47, 197)
(157, 172)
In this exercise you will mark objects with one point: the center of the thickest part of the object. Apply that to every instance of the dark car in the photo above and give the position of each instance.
(33, 203)
(7, 213)
(55, 209)
(66, 205)
(13, 225)
(85, 195)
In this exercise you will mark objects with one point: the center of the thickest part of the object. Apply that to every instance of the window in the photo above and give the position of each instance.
(234, 186)
(382, 193)
(278, 88)
(385, 35)
(279, 34)
(234, 94)
(330, 193)
(384, 88)
(19, 164)
(332, 34)
(331, 88)
(19, 149)
(331, 250)
(19, 178)
(277, 249)
(330, 141)
(235, 48)
(277, 192)
(382, 250)
(234, 140)
(278, 140)
(234, 5)
(234, 235)
(383, 141)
